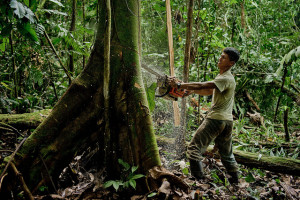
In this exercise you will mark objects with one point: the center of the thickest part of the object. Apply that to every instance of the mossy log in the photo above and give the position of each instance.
(255, 160)
(271, 163)
(25, 120)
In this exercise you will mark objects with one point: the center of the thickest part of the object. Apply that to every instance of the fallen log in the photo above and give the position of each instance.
(271, 163)
(25, 120)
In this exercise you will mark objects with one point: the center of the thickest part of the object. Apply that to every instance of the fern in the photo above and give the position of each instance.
(77, 46)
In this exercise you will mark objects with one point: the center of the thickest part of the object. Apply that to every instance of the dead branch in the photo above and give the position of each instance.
(24, 186)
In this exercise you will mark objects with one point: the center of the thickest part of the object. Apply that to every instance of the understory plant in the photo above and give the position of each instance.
(127, 179)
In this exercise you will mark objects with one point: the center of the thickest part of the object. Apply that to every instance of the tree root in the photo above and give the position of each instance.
(159, 173)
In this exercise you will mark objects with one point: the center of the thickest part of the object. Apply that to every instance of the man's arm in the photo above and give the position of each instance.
(201, 88)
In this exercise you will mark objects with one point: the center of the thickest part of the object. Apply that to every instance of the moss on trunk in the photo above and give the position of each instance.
(77, 120)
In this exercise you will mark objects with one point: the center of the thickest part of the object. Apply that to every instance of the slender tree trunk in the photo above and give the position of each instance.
(78, 119)
(282, 86)
(171, 61)
(189, 28)
(286, 127)
(83, 21)
(14, 67)
(72, 29)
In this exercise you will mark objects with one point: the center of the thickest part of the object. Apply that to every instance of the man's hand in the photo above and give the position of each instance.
(173, 81)
(188, 92)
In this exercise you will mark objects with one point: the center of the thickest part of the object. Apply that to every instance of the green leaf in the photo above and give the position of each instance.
(185, 171)
(117, 184)
(3, 44)
(132, 183)
(152, 194)
(249, 178)
(108, 184)
(137, 176)
(26, 2)
(297, 52)
(30, 15)
(289, 56)
(5, 85)
(134, 168)
(57, 3)
(43, 188)
(255, 4)
(29, 31)
(269, 78)
(54, 12)
(2, 47)
(19, 8)
(124, 164)
(126, 184)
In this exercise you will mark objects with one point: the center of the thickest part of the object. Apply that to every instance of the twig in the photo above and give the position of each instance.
(25, 188)
(6, 129)
(6, 151)
(252, 100)
(1, 180)
(9, 126)
(12, 157)
(56, 54)
(48, 174)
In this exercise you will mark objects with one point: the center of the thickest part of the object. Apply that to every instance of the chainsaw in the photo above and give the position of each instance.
(166, 91)
(163, 88)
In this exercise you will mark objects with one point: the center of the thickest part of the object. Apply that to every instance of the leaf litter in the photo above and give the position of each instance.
(80, 180)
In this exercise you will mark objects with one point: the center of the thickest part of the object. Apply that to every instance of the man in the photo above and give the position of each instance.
(218, 123)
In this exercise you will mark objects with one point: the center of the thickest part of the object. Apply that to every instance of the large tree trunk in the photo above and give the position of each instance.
(77, 120)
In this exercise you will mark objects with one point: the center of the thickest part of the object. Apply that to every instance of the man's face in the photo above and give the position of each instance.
(224, 61)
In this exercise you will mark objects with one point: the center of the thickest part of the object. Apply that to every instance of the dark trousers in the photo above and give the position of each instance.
(219, 131)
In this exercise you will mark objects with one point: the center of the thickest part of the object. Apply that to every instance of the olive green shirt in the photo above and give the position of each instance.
(223, 97)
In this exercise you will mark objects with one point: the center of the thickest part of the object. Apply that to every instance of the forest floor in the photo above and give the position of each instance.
(82, 181)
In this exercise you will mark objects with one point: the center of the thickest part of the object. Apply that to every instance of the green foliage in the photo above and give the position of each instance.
(128, 177)
(43, 188)
(249, 178)
(151, 194)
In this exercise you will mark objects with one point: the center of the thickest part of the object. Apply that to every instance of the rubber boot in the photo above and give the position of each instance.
(234, 179)
(196, 168)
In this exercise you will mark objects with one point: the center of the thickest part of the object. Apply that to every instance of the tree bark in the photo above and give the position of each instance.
(72, 29)
(271, 163)
(14, 67)
(77, 120)
(171, 60)
(180, 148)
(281, 88)
(285, 123)
(290, 93)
